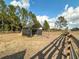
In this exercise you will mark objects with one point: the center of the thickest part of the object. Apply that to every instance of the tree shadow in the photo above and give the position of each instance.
(75, 40)
(53, 47)
(19, 55)
(73, 53)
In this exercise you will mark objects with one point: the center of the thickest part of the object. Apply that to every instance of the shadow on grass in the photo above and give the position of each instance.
(75, 40)
(53, 47)
(19, 55)
(60, 53)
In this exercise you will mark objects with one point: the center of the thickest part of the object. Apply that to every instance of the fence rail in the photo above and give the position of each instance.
(60, 48)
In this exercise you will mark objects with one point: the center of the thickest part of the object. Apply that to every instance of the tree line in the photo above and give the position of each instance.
(16, 18)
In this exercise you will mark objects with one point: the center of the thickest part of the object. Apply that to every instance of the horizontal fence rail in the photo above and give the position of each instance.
(65, 46)
(60, 48)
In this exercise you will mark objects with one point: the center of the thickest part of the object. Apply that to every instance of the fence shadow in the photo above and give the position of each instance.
(19, 55)
(60, 53)
(75, 40)
(54, 44)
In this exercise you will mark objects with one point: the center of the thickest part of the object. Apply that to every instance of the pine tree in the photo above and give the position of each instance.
(46, 26)
(14, 18)
(35, 21)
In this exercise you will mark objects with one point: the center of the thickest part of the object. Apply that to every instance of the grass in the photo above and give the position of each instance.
(14, 42)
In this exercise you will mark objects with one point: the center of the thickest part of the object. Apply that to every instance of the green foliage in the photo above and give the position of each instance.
(2, 6)
(61, 22)
(46, 26)
(35, 21)
(15, 18)
(24, 15)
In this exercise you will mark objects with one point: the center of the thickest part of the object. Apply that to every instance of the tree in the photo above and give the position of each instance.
(36, 23)
(24, 16)
(75, 29)
(46, 26)
(13, 18)
(61, 22)
(2, 6)
(2, 14)
(57, 24)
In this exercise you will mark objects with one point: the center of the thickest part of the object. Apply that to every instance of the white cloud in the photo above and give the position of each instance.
(66, 6)
(15, 3)
(23, 3)
(71, 14)
(41, 19)
(51, 21)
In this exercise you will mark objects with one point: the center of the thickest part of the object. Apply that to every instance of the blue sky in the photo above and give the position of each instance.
(50, 8)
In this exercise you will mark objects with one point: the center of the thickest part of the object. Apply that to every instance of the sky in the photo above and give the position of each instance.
(50, 10)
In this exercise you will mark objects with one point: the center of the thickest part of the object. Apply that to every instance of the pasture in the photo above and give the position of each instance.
(12, 43)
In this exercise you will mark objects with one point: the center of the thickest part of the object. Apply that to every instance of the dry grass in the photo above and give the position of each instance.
(76, 34)
(14, 42)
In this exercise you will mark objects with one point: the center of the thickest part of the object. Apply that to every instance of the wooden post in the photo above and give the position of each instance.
(68, 47)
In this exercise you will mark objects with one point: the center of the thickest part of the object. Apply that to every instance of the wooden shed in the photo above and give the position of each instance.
(31, 31)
